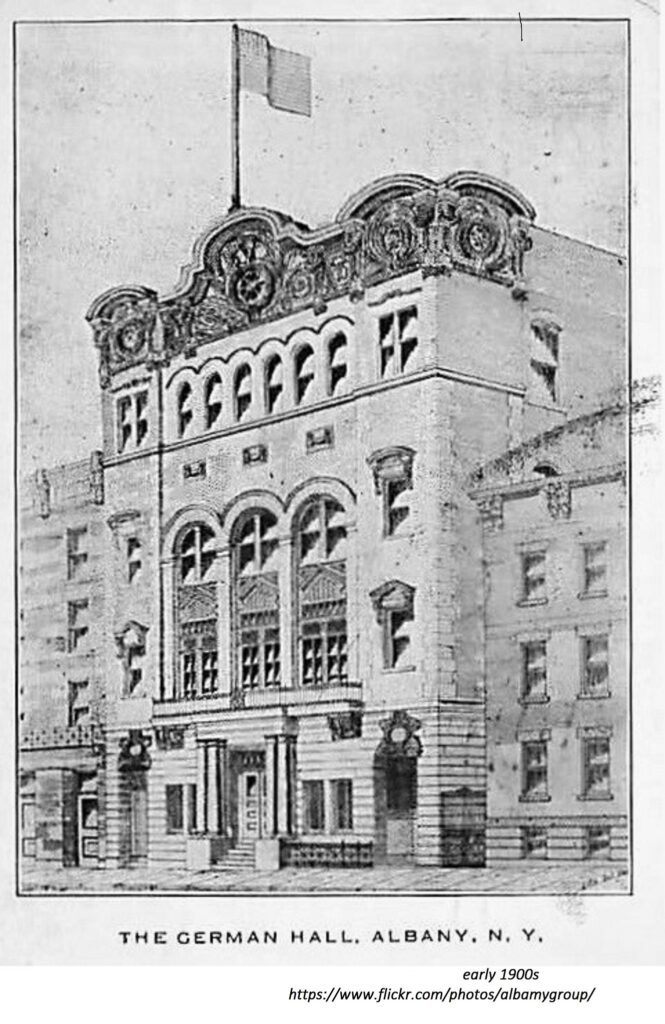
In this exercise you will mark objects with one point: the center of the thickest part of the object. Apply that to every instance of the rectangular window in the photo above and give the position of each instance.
(132, 420)
(174, 809)
(398, 340)
(533, 576)
(595, 568)
(324, 653)
(78, 708)
(595, 666)
(534, 842)
(544, 361)
(77, 555)
(198, 658)
(342, 805)
(534, 770)
(534, 670)
(314, 811)
(598, 842)
(134, 562)
(77, 619)
(397, 639)
(596, 767)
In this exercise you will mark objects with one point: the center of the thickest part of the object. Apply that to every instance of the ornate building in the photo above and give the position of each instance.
(292, 638)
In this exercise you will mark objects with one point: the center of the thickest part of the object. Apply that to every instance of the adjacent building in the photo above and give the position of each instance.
(298, 658)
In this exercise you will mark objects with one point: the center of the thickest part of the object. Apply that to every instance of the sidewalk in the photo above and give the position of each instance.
(554, 879)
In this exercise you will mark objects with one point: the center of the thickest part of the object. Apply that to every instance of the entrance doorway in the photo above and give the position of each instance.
(88, 835)
(251, 805)
(396, 802)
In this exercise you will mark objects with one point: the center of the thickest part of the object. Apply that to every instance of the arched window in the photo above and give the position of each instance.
(196, 614)
(256, 601)
(304, 367)
(185, 414)
(273, 383)
(337, 367)
(321, 583)
(213, 400)
(545, 469)
(242, 391)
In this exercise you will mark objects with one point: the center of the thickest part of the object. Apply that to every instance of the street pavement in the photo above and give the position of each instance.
(544, 879)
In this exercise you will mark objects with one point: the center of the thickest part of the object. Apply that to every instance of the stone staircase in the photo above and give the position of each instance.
(240, 858)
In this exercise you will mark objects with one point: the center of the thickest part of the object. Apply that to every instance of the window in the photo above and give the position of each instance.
(337, 368)
(197, 613)
(596, 767)
(595, 666)
(534, 770)
(393, 477)
(185, 414)
(595, 569)
(78, 708)
(341, 791)
(544, 360)
(212, 396)
(533, 576)
(257, 601)
(175, 821)
(135, 655)
(393, 604)
(398, 340)
(132, 420)
(274, 385)
(133, 558)
(534, 842)
(77, 619)
(534, 670)
(321, 551)
(242, 392)
(197, 553)
(598, 842)
(313, 806)
(77, 556)
(180, 808)
(304, 369)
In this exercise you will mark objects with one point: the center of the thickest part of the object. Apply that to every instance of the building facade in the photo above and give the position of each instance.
(292, 638)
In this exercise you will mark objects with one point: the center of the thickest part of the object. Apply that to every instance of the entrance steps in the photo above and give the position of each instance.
(240, 858)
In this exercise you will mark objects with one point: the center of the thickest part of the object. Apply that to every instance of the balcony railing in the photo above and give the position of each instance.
(56, 737)
(278, 697)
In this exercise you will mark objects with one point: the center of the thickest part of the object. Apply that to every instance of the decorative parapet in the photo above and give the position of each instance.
(258, 265)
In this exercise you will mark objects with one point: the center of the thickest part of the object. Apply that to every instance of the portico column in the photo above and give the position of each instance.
(286, 785)
(213, 792)
(272, 783)
(201, 787)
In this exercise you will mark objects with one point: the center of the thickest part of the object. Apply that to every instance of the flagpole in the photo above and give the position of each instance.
(235, 118)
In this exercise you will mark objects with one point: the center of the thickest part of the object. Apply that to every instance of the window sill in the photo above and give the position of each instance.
(528, 798)
(589, 595)
(531, 602)
(396, 671)
(594, 696)
(595, 796)
(526, 701)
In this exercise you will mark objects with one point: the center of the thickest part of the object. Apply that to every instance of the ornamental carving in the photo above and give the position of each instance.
(558, 498)
(491, 511)
(134, 756)
(345, 725)
(170, 737)
(259, 265)
(399, 736)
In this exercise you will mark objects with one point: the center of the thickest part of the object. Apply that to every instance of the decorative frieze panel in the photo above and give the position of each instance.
(197, 603)
(170, 737)
(399, 736)
(491, 511)
(558, 498)
(259, 265)
(346, 725)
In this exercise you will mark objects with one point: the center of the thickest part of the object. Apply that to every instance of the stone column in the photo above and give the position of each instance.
(272, 785)
(213, 775)
(201, 787)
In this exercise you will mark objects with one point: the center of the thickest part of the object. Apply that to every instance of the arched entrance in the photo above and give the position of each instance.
(396, 789)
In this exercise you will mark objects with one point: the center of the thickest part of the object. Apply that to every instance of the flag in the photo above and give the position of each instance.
(282, 76)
